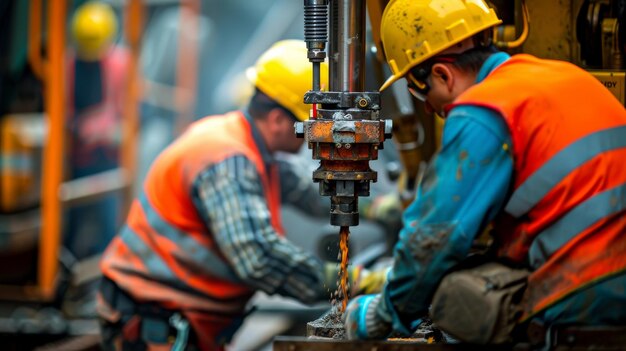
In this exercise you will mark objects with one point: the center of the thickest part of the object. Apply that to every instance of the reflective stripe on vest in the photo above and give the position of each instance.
(576, 221)
(198, 253)
(155, 265)
(542, 181)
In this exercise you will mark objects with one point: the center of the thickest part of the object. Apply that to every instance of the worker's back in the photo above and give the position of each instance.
(569, 138)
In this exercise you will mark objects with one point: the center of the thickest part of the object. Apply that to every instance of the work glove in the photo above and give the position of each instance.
(383, 208)
(370, 281)
(360, 280)
(361, 321)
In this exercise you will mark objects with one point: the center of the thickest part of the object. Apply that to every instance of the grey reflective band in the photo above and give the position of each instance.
(543, 180)
(155, 265)
(202, 256)
(160, 272)
(578, 219)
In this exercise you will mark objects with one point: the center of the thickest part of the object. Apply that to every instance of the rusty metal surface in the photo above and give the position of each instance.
(347, 131)
(330, 325)
(283, 343)
(344, 99)
(353, 154)
(338, 175)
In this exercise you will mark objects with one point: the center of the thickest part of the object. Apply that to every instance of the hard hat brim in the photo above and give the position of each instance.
(251, 74)
(388, 82)
(406, 69)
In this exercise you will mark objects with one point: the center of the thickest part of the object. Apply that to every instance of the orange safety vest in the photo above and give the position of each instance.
(565, 216)
(165, 253)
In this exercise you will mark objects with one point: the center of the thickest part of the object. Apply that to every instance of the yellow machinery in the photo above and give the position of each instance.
(584, 32)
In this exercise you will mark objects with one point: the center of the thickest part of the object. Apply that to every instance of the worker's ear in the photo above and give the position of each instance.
(283, 118)
(443, 74)
(275, 118)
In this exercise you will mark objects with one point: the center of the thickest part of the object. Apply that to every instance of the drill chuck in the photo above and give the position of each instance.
(344, 211)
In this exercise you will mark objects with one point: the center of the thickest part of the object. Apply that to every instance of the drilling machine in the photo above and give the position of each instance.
(345, 132)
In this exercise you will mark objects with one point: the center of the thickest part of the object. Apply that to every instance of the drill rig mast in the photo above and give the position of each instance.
(346, 132)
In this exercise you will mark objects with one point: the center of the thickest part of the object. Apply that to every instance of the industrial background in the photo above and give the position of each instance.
(60, 203)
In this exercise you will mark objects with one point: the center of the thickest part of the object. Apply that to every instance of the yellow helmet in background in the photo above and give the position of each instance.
(413, 31)
(284, 73)
(94, 27)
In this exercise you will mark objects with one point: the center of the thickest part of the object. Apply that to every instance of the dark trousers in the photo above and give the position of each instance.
(137, 327)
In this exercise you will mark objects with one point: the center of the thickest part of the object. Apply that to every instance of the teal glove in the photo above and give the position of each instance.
(361, 320)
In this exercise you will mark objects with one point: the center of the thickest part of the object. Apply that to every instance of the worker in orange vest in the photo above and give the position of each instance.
(205, 232)
(536, 148)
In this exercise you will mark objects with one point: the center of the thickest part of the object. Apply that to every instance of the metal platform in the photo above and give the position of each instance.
(283, 343)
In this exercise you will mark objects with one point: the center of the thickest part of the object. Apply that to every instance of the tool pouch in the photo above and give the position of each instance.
(480, 305)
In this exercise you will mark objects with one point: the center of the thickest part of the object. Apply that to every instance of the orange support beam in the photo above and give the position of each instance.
(50, 236)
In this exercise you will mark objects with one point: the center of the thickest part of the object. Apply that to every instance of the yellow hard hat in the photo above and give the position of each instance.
(413, 31)
(94, 27)
(284, 74)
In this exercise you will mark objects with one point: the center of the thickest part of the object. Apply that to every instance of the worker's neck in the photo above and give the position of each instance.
(263, 127)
